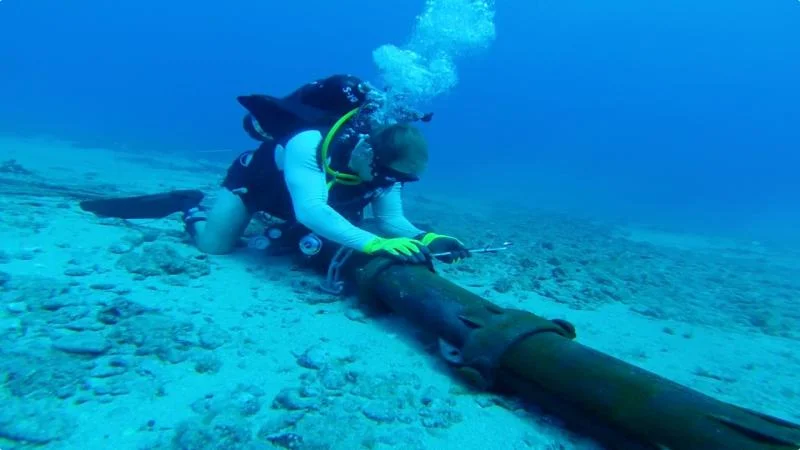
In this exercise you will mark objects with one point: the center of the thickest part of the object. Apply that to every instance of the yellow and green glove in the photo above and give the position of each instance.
(453, 250)
(401, 249)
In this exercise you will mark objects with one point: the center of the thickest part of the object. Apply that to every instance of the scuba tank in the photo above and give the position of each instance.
(265, 240)
(286, 238)
(310, 244)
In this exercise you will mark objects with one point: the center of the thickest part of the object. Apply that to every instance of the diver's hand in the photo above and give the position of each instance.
(448, 249)
(401, 249)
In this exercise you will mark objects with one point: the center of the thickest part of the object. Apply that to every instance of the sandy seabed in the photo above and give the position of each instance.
(120, 334)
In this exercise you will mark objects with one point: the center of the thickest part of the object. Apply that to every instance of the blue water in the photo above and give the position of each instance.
(683, 113)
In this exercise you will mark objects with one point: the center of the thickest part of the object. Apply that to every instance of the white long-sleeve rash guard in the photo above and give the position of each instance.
(309, 191)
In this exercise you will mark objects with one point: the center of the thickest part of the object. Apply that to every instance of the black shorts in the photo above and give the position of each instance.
(255, 177)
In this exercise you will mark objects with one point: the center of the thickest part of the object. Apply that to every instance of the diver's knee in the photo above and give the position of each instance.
(224, 224)
(212, 245)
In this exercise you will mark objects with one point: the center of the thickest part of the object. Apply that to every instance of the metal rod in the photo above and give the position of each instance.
(504, 246)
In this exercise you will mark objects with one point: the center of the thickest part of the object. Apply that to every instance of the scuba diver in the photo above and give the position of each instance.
(326, 154)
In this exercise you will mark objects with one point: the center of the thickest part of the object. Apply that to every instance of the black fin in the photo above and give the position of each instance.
(281, 117)
(153, 206)
(270, 114)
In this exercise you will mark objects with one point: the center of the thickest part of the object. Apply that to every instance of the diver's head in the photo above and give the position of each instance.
(396, 153)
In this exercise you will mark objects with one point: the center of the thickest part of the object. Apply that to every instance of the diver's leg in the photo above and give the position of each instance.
(222, 226)
(247, 188)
